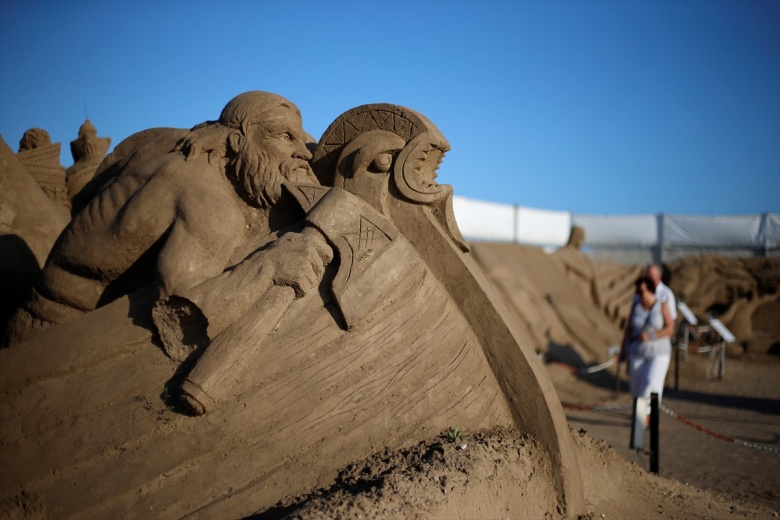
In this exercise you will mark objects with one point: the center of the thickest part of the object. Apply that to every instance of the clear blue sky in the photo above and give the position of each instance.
(607, 107)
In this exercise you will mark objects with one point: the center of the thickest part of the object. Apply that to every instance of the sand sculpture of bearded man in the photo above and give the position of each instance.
(199, 213)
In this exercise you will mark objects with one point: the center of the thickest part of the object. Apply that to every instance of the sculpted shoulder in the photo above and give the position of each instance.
(203, 192)
(142, 202)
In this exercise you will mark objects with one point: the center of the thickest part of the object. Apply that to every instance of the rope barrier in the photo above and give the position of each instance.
(711, 370)
(703, 350)
(605, 365)
(675, 415)
(587, 370)
(598, 368)
(604, 408)
(717, 435)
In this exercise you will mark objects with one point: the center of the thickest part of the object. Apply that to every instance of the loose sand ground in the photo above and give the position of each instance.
(744, 405)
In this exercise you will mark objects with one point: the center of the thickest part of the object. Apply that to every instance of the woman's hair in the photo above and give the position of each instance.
(644, 279)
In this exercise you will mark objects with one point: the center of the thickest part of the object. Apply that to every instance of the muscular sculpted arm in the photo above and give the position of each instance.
(199, 297)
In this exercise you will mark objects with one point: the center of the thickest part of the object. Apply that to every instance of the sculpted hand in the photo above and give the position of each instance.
(298, 260)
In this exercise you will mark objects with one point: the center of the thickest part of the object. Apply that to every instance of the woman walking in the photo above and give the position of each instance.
(647, 341)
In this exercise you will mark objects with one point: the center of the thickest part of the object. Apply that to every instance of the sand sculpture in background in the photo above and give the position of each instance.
(88, 151)
(573, 308)
(306, 323)
(608, 285)
(616, 282)
(578, 266)
(29, 224)
(41, 159)
(35, 207)
(743, 293)
(560, 320)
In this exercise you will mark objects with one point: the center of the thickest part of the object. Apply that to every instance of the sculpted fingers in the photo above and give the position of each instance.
(318, 255)
(299, 260)
(319, 245)
(299, 274)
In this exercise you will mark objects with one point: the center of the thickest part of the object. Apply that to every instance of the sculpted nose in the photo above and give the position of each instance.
(301, 152)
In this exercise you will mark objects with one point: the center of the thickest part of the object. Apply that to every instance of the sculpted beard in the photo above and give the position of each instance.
(259, 178)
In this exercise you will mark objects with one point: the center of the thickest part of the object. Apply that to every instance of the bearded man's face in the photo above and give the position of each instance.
(271, 153)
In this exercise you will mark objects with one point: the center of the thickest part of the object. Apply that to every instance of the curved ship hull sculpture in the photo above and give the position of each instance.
(101, 417)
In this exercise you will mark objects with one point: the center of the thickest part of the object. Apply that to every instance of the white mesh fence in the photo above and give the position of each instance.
(480, 220)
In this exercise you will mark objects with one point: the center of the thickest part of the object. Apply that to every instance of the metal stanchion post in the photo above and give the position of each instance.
(676, 366)
(654, 441)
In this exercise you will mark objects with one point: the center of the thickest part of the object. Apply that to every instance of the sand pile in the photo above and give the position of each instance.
(502, 474)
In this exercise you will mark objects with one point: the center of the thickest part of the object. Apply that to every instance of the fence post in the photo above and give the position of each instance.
(654, 441)
(764, 227)
(661, 246)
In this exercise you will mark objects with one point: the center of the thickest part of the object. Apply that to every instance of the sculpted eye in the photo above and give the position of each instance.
(381, 163)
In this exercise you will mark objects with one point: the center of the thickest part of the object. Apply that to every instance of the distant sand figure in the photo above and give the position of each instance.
(41, 159)
(88, 151)
(609, 285)
(578, 266)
